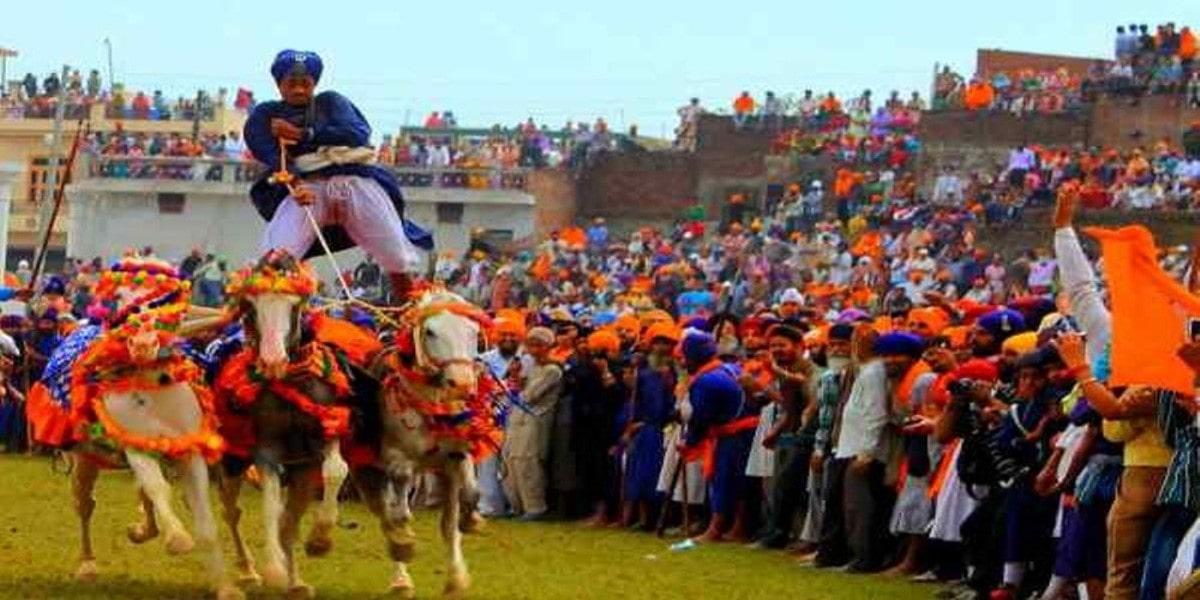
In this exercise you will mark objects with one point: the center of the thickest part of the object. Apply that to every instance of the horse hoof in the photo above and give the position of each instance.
(402, 589)
(301, 592)
(318, 546)
(230, 592)
(249, 578)
(87, 571)
(140, 533)
(180, 543)
(457, 585)
(275, 577)
(473, 523)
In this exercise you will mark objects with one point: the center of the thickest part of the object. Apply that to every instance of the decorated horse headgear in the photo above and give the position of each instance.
(277, 273)
(414, 319)
(154, 283)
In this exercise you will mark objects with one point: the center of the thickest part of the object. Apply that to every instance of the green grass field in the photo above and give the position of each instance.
(39, 546)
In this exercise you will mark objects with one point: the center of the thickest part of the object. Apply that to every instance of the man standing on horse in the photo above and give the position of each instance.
(324, 139)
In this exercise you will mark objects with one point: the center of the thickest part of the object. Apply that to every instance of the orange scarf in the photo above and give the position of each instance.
(904, 389)
(706, 450)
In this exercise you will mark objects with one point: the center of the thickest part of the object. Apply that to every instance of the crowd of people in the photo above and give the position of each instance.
(527, 145)
(1161, 176)
(877, 392)
(34, 99)
(120, 154)
(1144, 63)
(858, 131)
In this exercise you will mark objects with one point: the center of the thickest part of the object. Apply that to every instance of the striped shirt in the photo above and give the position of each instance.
(829, 392)
(1181, 486)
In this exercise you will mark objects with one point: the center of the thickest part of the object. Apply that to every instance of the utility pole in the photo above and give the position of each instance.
(111, 78)
(46, 208)
(197, 113)
(5, 54)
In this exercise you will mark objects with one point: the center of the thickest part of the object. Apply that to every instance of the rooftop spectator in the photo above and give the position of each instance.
(743, 110)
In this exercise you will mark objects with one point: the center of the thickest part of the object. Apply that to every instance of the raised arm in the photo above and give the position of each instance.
(1077, 277)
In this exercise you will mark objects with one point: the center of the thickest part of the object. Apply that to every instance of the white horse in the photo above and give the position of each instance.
(445, 341)
(159, 415)
(287, 437)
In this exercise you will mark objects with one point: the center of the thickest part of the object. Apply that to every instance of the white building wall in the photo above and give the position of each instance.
(110, 216)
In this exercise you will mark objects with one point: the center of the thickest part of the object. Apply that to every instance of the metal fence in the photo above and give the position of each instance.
(236, 171)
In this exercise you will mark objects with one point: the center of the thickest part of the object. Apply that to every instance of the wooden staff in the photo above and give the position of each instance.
(39, 261)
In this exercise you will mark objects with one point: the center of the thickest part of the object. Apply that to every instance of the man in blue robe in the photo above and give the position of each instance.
(652, 407)
(719, 431)
(326, 142)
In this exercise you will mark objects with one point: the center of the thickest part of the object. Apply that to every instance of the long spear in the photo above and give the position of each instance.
(39, 263)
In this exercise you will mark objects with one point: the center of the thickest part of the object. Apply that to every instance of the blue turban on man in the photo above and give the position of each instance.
(1002, 324)
(899, 343)
(297, 63)
(699, 346)
(55, 285)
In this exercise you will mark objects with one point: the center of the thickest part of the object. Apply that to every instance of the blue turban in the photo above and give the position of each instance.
(1002, 324)
(699, 346)
(607, 317)
(899, 343)
(698, 323)
(841, 331)
(297, 63)
(55, 285)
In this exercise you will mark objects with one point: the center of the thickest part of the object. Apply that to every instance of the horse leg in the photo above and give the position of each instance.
(146, 529)
(231, 488)
(372, 487)
(470, 521)
(275, 574)
(150, 477)
(333, 473)
(457, 577)
(399, 511)
(205, 526)
(83, 482)
(300, 492)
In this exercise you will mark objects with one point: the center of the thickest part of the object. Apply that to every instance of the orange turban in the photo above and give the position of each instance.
(933, 318)
(656, 316)
(662, 329)
(628, 323)
(510, 321)
(957, 335)
(604, 341)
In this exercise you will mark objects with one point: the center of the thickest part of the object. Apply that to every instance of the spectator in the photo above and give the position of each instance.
(93, 84)
(743, 110)
(771, 110)
(689, 118)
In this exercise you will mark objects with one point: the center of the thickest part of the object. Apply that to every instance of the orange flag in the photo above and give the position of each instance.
(1150, 312)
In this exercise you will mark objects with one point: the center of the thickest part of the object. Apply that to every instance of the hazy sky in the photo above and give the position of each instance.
(628, 61)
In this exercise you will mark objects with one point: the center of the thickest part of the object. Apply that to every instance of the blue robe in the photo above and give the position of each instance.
(644, 457)
(717, 400)
(329, 120)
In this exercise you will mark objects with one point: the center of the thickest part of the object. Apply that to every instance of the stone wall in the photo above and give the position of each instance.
(1124, 124)
(557, 203)
(642, 185)
(988, 62)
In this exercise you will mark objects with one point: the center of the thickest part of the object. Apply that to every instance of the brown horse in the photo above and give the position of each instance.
(282, 409)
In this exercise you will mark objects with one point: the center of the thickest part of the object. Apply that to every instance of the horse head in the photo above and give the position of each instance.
(271, 297)
(446, 330)
(134, 285)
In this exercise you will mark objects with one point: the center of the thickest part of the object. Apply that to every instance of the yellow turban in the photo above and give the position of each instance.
(1020, 343)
